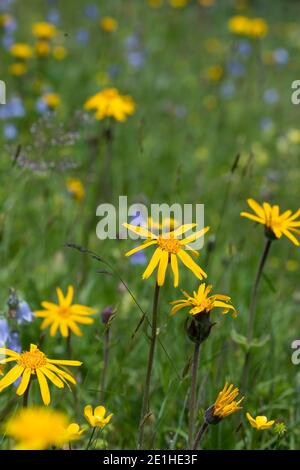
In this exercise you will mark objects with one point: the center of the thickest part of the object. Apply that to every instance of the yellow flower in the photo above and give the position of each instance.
(206, 3)
(1, 370)
(65, 315)
(215, 73)
(37, 428)
(109, 103)
(178, 3)
(52, 100)
(226, 404)
(35, 362)
(75, 188)
(96, 419)
(59, 52)
(276, 224)
(258, 28)
(18, 69)
(44, 30)
(169, 247)
(108, 24)
(42, 48)
(241, 25)
(202, 303)
(260, 422)
(155, 3)
(21, 51)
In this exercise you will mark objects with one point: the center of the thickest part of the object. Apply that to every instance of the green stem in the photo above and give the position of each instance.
(193, 394)
(91, 438)
(26, 395)
(252, 310)
(145, 404)
(105, 364)
(69, 345)
(200, 435)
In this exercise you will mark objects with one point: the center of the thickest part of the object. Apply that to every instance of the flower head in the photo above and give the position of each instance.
(108, 24)
(52, 100)
(37, 428)
(201, 302)
(260, 422)
(43, 30)
(251, 27)
(35, 363)
(169, 247)
(226, 402)
(276, 224)
(97, 418)
(109, 103)
(18, 69)
(21, 51)
(42, 48)
(65, 315)
(178, 3)
(75, 188)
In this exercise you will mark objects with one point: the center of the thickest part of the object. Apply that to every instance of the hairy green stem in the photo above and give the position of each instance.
(193, 394)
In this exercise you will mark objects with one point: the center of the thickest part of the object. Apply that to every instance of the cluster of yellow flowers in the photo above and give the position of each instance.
(251, 27)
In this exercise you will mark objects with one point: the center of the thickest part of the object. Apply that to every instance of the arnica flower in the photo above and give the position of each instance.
(225, 404)
(97, 418)
(37, 428)
(178, 3)
(18, 69)
(76, 189)
(52, 100)
(35, 363)
(201, 302)
(65, 315)
(42, 48)
(109, 103)
(108, 24)
(21, 51)
(276, 224)
(260, 422)
(44, 30)
(251, 27)
(169, 247)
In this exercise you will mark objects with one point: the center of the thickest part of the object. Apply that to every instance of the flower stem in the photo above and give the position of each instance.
(91, 438)
(199, 435)
(252, 311)
(69, 345)
(26, 395)
(105, 363)
(145, 404)
(193, 393)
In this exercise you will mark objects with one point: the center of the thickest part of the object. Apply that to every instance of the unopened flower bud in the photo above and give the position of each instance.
(107, 313)
(198, 327)
(210, 418)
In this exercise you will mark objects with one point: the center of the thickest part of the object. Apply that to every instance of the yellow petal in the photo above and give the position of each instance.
(44, 388)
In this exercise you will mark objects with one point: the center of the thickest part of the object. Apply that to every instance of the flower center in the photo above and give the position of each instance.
(32, 359)
(171, 245)
(63, 312)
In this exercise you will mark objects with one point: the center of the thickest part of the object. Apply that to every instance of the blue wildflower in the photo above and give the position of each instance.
(236, 69)
(14, 341)
(281, 56)
(271, 96)
(23, 313)
(4, 331)
(82, 36)
(10, 131)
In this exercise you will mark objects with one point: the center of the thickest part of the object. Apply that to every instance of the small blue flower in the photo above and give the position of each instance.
(10, 131)
(14, 341)
(281, 56)
(24, 313)
(41, 106)
(91, 11)
(138, 258)
(53, 16)
(136, 59)
(271, 96)
(266, 124)
(4, 331)
(244, 48)
(7, 41)
(82, 36)
(114, 70)
(236, 69)
(132, 42)
(227, 90)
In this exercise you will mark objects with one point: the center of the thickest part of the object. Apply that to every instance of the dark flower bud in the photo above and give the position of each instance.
(107, 313)
(210, 418)
(270, 234)
(12, 302)
(198, 327)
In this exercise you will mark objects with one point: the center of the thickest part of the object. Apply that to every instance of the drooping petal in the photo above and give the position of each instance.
(163, 264)
(24, 382)
(153, 263)
(52, 377)
(140, 247)
(44, 388)
(11, 376)
(174, 266)
(190, 263)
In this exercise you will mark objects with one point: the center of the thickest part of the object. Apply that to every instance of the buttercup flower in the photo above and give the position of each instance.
(276, 224)
(169, 248)
(108, 24)
(52, 100)
(37, 428)
(260, 422)
(35, 362)
(244, 26)
(75, 188)
(97, 419)
(65, 315)
(109, 103)
(202, 303)
(226, 402)
(21, 51)
(44, 30)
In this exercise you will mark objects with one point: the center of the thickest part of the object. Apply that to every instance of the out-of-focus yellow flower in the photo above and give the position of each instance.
(42, 48)
(75, 188)
(37, 428)
(18, 68)
(178, 3)
(43, 30)
(206, 3)
(109, 103)
(226, 403)
(65, 315)
(215, 73)
(155, 3)
(244, 26)
(52, 100)
(21, 51)
(97, 418)
(169, 247)
(292, 265)
(276, 224)
(260, 422)
(201, 302)
(59, 52)
(108, 24)
(35, 362)
(293, 136)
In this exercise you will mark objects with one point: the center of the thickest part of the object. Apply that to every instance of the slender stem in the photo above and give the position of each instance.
(69, 345)
(199, 435)
(145, 404)
(105, 364)
(252, 311)
(193, 394)
(26, 395)
(91, 438)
